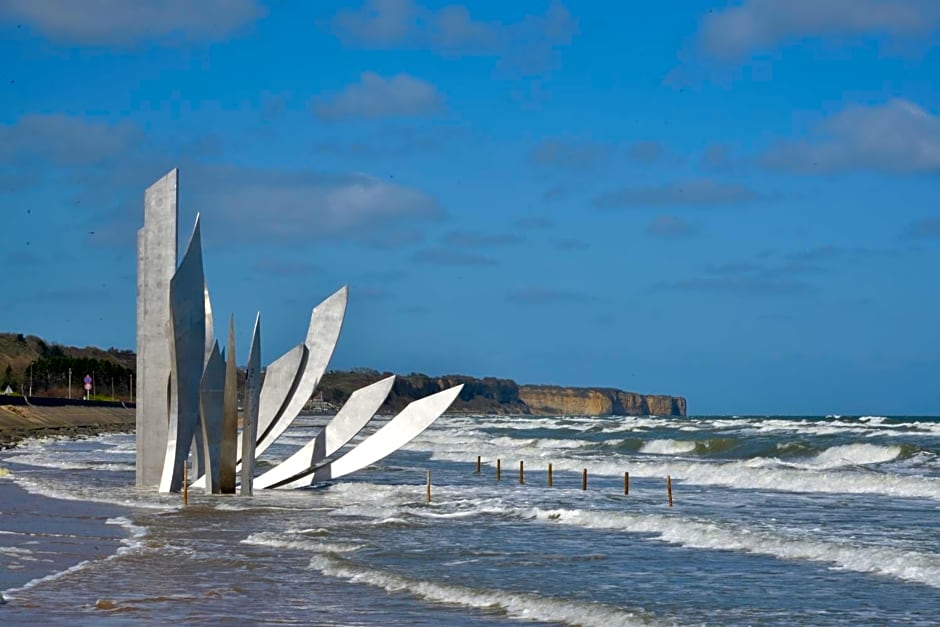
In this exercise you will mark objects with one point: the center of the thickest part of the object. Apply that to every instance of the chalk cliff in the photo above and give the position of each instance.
(503, 396)
(554, 400)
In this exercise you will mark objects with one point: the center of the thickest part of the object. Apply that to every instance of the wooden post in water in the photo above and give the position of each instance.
(185, 483)
(669, 488)
(626, 483)
(584, 479)
(478, 464)
(521, 472)
(429, 487)
(499, 470)
(549, 475)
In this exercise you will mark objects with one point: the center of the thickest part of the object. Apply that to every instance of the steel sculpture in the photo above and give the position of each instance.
(187, 387)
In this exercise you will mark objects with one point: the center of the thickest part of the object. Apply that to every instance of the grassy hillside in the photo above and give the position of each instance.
(20, 350)
(48, 363)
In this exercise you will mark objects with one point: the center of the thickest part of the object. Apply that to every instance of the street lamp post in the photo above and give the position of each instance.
(70, 384)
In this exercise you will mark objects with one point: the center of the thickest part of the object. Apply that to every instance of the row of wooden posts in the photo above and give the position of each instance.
(584, 478)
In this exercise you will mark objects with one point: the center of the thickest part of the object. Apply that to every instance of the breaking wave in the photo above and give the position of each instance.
(901, 564)
(668, 447)
(516, 605)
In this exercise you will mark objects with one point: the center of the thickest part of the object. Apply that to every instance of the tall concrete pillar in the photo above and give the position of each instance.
(156, 264)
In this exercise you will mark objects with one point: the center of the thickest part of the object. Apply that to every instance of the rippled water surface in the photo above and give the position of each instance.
(776, 520)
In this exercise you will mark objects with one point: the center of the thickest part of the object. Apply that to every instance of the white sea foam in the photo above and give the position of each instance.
(837, 470)
(299, 542)
(912, 566)
(18, 553)
(763, 474)
(835, 482)
(294, 439)
(135, 530)
(128, 498)
(465, 513)
(66, 454)
(667, 447)
(552, 443)
(391, 521)
(855, 455)
(48, 459)
(131, 544)
(520, 606)
(11, 593)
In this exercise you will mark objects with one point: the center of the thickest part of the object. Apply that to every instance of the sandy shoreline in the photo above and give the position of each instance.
(18, 422)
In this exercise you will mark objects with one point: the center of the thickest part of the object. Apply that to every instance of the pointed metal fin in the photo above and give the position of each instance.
(358, 410)
(400, 430)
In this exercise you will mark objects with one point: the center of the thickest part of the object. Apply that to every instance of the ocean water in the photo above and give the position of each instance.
(775, 521)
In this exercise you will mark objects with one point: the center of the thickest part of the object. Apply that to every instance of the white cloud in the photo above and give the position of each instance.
(537, 295)
(646, 152)
(718, 158)
(64, 140)
(123, 22)
(696, 192)
(298, 206)
(571, 154)
(526, 45)
(378, 22)
(377, 97)
(244, 204)
(926, 228)
(896, 137)
(671, 226)
(449, 257)
(463, 239)
(756, 25)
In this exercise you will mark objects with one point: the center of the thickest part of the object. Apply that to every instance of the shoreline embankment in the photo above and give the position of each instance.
(35, 417)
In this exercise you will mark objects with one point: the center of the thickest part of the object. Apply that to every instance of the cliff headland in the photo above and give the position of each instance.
(490, 395)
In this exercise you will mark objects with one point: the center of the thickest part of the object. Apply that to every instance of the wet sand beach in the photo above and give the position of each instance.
(42, 537)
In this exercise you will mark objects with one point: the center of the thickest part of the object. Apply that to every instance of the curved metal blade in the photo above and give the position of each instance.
(326, 321)
(354, 415)
(400, 430)
(188, 324)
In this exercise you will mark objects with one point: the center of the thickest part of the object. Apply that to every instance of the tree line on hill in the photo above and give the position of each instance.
(28, 365)
(64, 376)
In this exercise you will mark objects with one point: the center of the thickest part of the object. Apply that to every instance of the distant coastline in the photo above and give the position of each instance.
(52, 373)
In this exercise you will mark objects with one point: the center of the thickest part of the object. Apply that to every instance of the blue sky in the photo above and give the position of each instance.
(738, 202)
